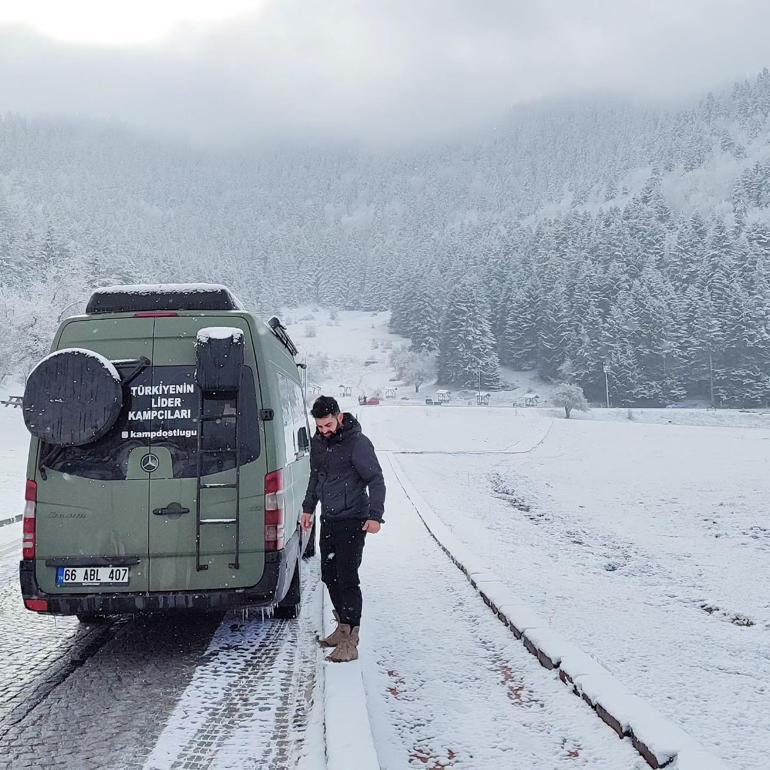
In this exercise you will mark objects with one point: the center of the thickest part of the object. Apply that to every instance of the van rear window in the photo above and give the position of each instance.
(160, 409)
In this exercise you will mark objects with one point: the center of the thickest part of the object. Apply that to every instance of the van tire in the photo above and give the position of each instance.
(72, 397)
(288, 608)
(310, 547)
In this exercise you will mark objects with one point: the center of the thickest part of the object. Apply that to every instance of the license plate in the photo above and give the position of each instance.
(91, 576)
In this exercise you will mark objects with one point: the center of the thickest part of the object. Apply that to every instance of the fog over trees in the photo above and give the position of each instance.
(576, 235)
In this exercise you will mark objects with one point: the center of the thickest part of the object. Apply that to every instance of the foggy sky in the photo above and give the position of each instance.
(387, 71)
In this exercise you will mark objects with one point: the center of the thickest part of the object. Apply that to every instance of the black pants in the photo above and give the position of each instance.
(342, 546)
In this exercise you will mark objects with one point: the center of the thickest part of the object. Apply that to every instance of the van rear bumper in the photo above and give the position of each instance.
(262, 594)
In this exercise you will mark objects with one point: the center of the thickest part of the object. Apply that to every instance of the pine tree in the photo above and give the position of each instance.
(589, 356)
(619, 332)
(467, 351)
(686, 259)
(706, 342)
(425, 324)
(402, 317)
(519, 347)
(556, 334)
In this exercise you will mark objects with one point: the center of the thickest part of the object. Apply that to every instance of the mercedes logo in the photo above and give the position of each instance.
(149, 463)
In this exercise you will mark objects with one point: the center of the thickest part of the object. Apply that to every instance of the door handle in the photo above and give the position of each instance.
(170, 510)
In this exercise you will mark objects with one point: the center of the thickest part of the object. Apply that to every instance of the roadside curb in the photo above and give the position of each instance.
(660, 741)
(12, 520)
(349, 740)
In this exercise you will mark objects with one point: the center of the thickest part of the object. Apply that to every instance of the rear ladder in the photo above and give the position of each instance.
(202, 487)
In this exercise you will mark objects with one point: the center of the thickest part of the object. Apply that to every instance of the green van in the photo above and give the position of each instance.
(168, 460)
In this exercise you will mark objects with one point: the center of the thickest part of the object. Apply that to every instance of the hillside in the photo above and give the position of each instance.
(568, 193)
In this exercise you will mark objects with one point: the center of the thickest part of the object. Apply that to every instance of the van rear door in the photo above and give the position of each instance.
(92, 499)
(173, 402)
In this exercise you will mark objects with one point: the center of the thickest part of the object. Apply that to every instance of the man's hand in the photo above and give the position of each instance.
(371, 526)
(307, 521)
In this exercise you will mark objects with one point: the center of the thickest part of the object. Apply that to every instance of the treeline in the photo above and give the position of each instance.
(570, 221)
(671, 307)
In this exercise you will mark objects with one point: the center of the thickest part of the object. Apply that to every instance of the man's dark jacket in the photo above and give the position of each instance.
(341, 468)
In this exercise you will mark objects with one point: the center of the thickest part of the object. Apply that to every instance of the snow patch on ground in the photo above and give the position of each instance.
(14, 447)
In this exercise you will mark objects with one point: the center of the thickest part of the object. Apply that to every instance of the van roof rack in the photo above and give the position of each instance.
(279, 330)
(169, 296)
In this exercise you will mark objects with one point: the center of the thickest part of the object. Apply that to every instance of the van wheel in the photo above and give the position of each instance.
(288, 607)
(310, 548)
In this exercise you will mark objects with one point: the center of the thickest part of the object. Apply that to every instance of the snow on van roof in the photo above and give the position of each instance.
(162, 288)
(162, 296)
(219, 333)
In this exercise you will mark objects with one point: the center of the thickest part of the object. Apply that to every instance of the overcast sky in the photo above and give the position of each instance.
(383, 70)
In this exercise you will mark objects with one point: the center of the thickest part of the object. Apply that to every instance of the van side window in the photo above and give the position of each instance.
(294, 417)
(286, 391)
(301, 425)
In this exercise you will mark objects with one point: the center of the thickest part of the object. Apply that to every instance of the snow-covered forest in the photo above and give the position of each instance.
(572, 237)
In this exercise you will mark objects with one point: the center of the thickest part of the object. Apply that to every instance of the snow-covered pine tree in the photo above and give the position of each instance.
(556, 333)
(425, 322)
(519, 346)
(467, 351)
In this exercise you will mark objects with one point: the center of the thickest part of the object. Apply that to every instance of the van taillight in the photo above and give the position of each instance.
(275, 535)
(28, 522)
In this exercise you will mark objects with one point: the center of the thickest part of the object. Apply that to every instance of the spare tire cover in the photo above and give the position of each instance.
(72, 397)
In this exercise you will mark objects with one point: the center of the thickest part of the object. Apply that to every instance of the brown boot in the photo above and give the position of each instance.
(334, 637)
(347, 647)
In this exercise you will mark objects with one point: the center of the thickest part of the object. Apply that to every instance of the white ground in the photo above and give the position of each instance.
(13, 465)
(644, 540)
(14, 440)
(447, 683)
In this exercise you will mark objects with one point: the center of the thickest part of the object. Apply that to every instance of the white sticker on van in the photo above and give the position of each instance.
(161, 434)
(165, 409)
(160, 414)
(162, 390)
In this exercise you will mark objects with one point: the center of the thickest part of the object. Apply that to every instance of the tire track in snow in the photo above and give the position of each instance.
(248, 702)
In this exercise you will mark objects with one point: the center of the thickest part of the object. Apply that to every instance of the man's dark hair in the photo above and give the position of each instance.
(325, 406)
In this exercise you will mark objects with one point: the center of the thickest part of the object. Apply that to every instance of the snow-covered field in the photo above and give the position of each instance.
(642, 537)
(645, 544)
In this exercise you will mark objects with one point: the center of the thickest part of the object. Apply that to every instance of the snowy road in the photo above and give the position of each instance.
(447, 684)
